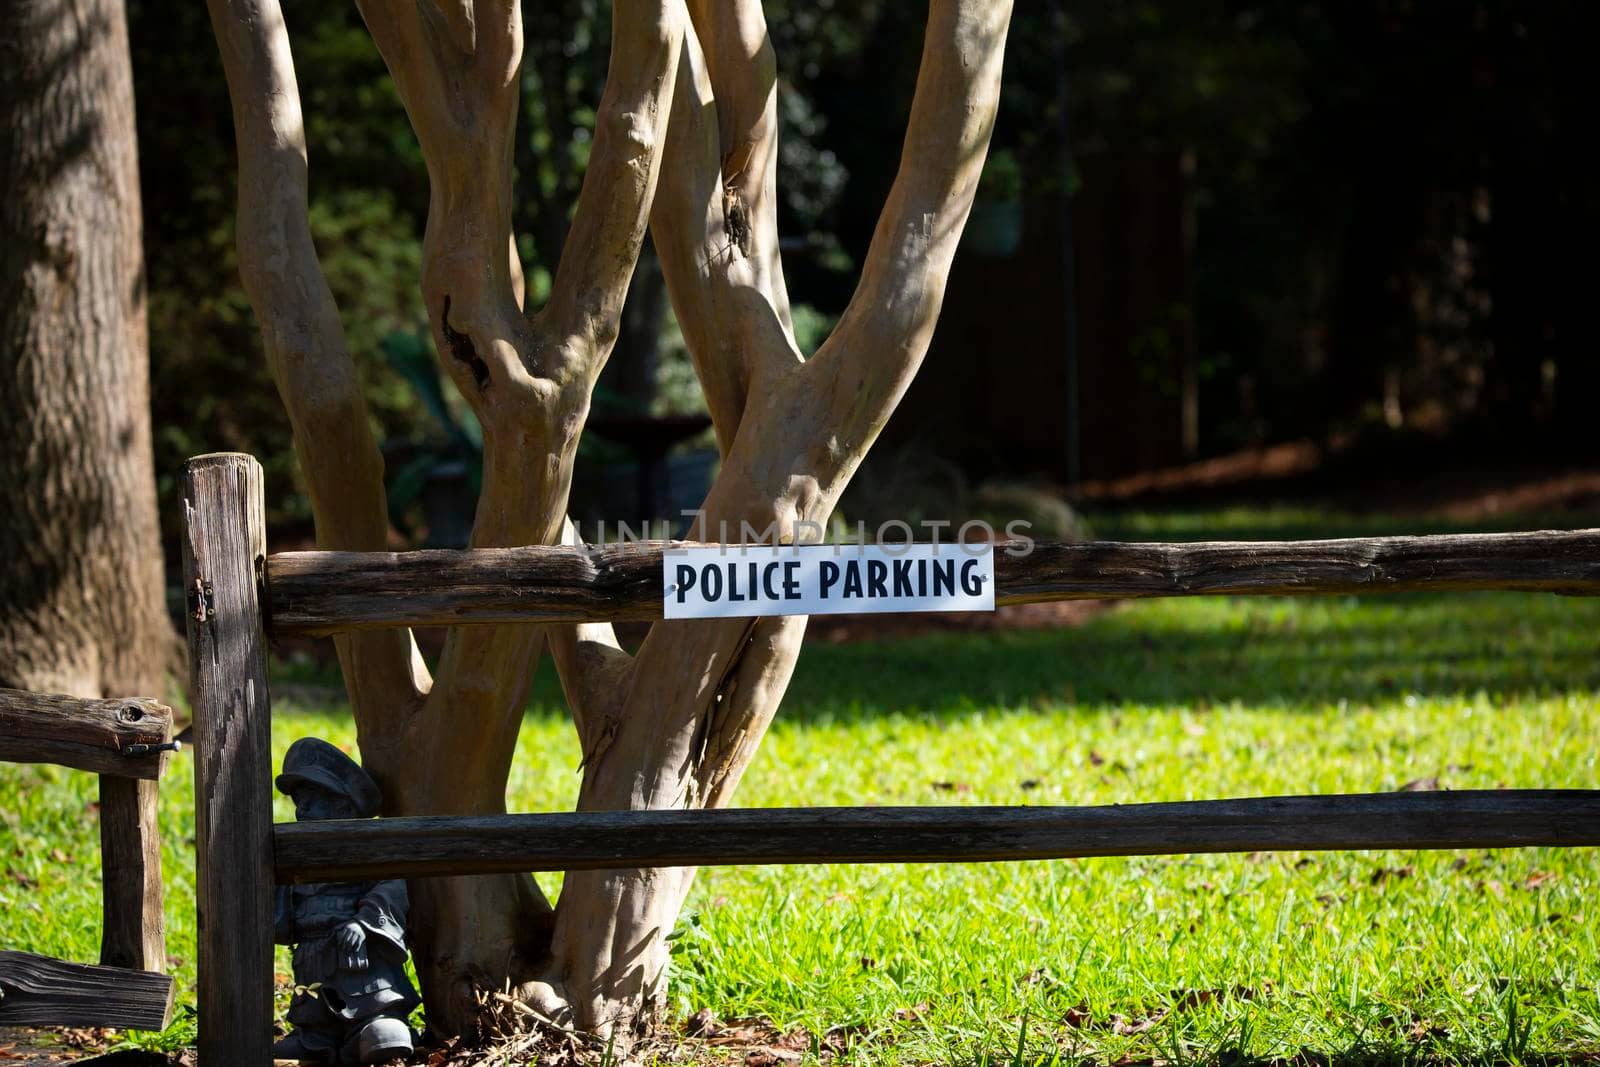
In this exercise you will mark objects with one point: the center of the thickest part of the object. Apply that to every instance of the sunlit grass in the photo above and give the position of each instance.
(1380, 956)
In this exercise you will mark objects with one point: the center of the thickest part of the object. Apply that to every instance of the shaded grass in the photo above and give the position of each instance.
(1380, 957)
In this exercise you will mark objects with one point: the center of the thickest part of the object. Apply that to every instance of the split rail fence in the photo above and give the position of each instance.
(239, 595)
(126, 743)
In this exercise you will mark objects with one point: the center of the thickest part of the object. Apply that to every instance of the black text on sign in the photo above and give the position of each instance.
(728, 581)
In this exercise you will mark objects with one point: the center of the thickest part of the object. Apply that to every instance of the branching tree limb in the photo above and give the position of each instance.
(300, 328)
(675, 724)
(701, 694)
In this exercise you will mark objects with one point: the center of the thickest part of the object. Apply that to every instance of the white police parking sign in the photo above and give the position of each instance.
(730, 581)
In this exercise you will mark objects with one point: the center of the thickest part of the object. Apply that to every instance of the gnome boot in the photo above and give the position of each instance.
(306, 1046)
(384, 1040)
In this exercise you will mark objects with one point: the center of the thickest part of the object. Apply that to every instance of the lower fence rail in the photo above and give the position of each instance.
(40, 991)
(452, 845)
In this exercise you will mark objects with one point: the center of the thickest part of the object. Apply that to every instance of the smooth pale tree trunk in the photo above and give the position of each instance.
(686, 143)
(82, 606)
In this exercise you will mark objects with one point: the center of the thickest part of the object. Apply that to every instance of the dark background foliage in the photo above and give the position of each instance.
(1206, 226)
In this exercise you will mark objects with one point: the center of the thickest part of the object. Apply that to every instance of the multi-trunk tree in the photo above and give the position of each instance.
(685, 141)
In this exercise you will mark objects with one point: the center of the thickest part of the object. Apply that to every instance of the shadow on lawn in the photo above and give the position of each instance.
(1503, 645)
(1506, 646)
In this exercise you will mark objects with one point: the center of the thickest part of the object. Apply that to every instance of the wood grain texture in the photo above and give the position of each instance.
(40, 991)
(82, 594)
(324, 592)
(224, 544)
(88, 735)
(391, 848)
(133, 926)
(327, 592)
(1566, 562)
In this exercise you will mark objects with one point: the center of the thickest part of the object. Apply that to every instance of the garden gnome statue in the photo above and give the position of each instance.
(352, 996)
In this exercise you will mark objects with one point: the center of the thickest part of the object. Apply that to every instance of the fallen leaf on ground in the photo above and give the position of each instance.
(1423, 1029)
(1194, 998)
(1126, 1027)
(702, 1023)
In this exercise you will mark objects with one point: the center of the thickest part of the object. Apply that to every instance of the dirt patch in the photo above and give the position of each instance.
(1561, 491)
(703, 1040)
(26, 1048)
(51, 1048)
(1247, 466)
(1400, 475)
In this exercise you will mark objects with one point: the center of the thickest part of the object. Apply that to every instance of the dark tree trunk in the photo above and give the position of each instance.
(81, 589)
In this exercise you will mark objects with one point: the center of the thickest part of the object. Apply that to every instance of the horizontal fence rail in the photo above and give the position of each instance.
(484, 844)
(124, 738)
(327, 592)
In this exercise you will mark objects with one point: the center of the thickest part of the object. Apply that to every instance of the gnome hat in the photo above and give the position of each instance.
(312, 761)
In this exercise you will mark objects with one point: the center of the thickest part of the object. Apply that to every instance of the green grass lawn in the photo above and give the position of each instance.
(1376, 957)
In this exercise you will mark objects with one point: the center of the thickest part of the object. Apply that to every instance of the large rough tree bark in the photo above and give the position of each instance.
(685, 141)
(82, 606)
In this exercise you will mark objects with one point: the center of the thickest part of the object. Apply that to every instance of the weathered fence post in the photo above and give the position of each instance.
(224, 553)
(132, 926)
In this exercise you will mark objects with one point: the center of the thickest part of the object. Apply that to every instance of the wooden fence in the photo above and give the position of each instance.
(238, 595)
(126, 743)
